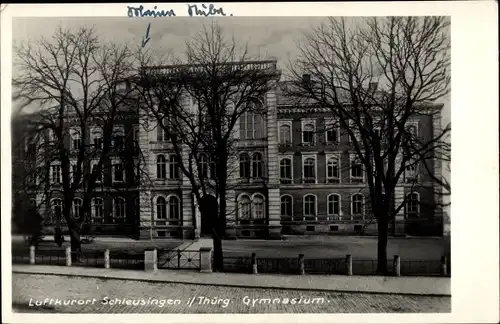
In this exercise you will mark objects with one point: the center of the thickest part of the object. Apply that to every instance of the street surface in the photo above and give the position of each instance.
(54, 294)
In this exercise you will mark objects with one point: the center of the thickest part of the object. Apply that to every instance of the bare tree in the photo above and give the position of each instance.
(375, 75)
(75, 82)
(223, 84)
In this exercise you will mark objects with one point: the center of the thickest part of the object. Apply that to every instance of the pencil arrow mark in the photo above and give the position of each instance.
(145, 39)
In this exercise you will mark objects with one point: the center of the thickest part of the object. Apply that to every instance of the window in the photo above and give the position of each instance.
(244, 166)
(55, 174)
(118, 138)
(174, 208)
(411, 170)
(286, 170)
(98, 173)
(356, 169)
(251, 126)
(309, 206)
(308, 134)
(309, 170)
(76, 139)
(203, 166)
(285, 134)
(97, 139)
(57, 209)
(77, 208)
(258, 207)
(333, 208)
(98, 211)
(244, 208)
(333, 170)
(357, 204)
(257, 165)
(161, 167)
(118, 171)
(174, 167)
(286, 206)
(161, 208)
(162, 130)
(119, 210)
(413, 204)
(332, 132)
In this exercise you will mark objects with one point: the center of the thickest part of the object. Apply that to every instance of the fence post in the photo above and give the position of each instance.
(205, 259)
(178, 259)
(348, 262)
(397, 266)
(302, 268)
(68, 256)
(444, 266)
(254, 263)
(32, 254)
(150, 260)
(106, 259)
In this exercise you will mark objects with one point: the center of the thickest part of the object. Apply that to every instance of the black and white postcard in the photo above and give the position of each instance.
(284, 160)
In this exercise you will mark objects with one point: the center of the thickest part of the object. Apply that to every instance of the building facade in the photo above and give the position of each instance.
(295, 174)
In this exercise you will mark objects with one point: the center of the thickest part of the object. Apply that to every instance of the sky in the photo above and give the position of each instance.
(267, 37)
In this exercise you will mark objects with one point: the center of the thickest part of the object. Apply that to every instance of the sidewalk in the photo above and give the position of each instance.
(427, 286)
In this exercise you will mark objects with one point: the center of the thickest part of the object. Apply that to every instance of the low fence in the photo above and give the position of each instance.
(202, 260)
(93, 259)
(335, 266)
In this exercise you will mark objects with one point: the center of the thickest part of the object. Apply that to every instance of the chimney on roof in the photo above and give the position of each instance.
(373, 86)
(306, 78)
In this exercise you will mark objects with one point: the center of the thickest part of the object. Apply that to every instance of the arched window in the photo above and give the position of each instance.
(174, 208)
(413, 204)
(244, 208)
(357, 204)
(285, 134)
(119, 208)
(97, 210)
(174, 167)
(356, 169)
(77, 208)
(257, 165)
(333, 169)
(286, 206)
(251, 125)
(161, 167)
(308, 134)
(203, 166)
(244, 166)
(258, 207)
(286, 170)
(309, 170)
(161, 208)
(57, 210)
(333, 205)
(161, 133)
(309, 206)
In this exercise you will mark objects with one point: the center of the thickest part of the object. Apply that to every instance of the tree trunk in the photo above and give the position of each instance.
(382, 246)
(220, 232)
(76, 247)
